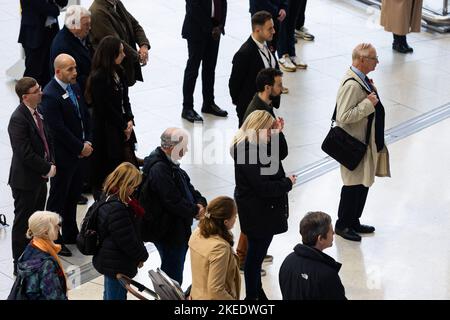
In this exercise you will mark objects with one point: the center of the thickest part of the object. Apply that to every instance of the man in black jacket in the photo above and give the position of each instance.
(32, 161)
(253, 56)
(73, 39)
(170, 202)
(38, 27)
(203, 25)
(68, 120)
(308, 273)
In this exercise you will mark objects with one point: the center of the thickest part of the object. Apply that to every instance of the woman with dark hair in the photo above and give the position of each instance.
(113, 120)
(215, 266)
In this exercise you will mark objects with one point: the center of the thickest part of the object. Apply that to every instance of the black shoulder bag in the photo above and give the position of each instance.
(343, 147)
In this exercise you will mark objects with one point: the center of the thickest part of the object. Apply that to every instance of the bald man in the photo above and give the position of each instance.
(65, 110)
(172, 200)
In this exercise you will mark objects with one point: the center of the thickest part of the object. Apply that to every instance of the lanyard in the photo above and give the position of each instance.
(269, 58)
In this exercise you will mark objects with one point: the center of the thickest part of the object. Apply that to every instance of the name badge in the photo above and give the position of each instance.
(65, 95)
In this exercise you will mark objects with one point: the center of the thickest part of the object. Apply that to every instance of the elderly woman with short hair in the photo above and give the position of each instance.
(39, 267)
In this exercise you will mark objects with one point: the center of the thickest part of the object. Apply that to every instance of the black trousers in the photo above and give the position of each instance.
(204, 51)
(351, 206)
(26, 202)
(65, 190)
(37, 60)
(301, 14)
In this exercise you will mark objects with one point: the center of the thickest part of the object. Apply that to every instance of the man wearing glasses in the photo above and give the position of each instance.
(32, 161)
(358, 105)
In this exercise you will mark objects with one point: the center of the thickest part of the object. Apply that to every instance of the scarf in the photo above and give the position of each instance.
(136, 207)
(51, 248)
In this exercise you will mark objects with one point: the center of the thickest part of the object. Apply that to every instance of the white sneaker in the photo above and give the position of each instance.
(286, 64)
(297, 63)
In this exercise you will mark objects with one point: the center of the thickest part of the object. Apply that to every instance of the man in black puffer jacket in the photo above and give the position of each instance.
(170, 202)
(308, 273)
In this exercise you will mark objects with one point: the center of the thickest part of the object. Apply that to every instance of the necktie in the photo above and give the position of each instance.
(218, 10)
(73, 97)
(40, 125)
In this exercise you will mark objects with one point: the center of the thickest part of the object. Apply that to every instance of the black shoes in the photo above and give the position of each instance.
(191, 116)
(348, 234)
(214, 110)
(362, 228)
(65, 252)
(402, 48)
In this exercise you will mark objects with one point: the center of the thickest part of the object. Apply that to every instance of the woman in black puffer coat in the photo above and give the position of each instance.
(121, 249)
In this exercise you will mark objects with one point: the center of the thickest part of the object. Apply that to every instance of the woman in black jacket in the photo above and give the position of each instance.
(261, 191)
(107, 91)
(121, 250)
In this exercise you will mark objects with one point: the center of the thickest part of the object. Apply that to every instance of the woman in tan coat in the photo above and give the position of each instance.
(401, 17)
(215, 266)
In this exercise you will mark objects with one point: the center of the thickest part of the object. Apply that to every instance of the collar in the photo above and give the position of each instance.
(30, 109)
(62, 84)
(260, 45)
(359, 73)
(262, 101)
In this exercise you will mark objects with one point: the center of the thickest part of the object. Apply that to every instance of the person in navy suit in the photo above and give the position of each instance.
(202, 27)
(73, 39)
(38, 27)
(68, 120)
(32, 161)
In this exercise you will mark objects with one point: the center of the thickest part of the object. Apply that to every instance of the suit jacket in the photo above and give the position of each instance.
(353, 109)
(28, 163)
(34, 15)
(64, 123)
(247, 62)
(197, 21)
(66, 42)
(272, 6)
(121, 24)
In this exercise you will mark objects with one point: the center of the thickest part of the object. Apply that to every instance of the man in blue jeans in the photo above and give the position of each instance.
(170, 202)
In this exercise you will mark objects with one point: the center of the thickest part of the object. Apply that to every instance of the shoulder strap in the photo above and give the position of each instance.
(370, 118)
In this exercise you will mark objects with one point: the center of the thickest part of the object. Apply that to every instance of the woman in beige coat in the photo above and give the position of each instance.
(401, 17)
(215, 266)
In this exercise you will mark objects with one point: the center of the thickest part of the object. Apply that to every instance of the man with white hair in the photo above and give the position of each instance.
(73, 39)
(359, 112)
(170, 202)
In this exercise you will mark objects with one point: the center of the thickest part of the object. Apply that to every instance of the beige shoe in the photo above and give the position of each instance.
(284, 90)
(298, 64)
(286, 64)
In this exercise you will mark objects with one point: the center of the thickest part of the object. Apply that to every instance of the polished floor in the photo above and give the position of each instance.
(409, 255)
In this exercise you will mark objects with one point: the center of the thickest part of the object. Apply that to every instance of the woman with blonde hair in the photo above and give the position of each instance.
(121, 250)
(261, 191)
(39, 270)
(215, 267)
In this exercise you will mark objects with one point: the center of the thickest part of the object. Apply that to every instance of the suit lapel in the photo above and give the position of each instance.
(352, 74)
(24, 110)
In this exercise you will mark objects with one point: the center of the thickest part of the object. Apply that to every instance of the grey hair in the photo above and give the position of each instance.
(41, 225)
(361, 50)
(172, 137)
(313, 225)
(73, 16)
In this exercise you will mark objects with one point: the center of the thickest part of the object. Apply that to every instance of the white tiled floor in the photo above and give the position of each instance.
(409, 256)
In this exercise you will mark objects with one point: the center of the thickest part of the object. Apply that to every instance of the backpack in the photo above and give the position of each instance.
(88, 239)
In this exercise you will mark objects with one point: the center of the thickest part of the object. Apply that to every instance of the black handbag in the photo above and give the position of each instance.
(343, 147)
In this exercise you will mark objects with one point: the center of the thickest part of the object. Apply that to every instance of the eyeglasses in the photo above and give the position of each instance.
(372, 58)
(36, 91)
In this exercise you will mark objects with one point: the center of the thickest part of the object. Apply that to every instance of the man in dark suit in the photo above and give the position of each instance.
(277, 8)
(38, 27)
(253, 56)
(68, 120)
(73, 39)
(203, 25)
(32, 161)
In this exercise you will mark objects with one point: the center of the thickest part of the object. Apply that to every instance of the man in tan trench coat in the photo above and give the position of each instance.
(401, 17)
(357, 103)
